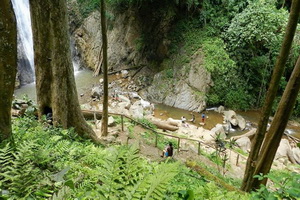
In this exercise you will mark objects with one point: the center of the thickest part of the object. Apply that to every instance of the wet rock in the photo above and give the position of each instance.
(241, 122)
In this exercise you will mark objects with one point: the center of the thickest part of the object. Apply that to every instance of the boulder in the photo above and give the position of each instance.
(230, 116)
(136, 110)
(97, 92)
(296, 153)
(241, 122)
(111, 121)
(244, 143)
(134, 95)
(124, 73)
(220, 109)
(285, 150)
(218, 130)
(177, 94)
(145, 104)
(123, 98)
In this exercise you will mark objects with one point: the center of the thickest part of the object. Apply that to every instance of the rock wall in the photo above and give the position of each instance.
(121, 40)
(186, 90)
(140, 38)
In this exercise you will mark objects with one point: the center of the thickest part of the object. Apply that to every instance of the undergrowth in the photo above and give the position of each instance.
(51, 163)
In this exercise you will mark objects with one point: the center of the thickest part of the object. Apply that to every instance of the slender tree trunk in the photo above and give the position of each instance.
(105, 78)
(55, 82)
(8, 66)
(278, 125)
(247, 184)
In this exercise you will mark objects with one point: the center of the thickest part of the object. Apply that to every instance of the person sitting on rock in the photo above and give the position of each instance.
(183, 120)
(168, 151)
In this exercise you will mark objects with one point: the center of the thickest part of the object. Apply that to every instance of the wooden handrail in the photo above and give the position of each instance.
(161, 133)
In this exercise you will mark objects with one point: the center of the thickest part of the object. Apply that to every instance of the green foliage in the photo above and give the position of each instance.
(88, 6)
(51, 163)
(253, 40)
(286, 184)
(146, 123)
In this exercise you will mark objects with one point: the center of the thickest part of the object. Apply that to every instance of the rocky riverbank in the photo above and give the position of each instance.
(125, 100)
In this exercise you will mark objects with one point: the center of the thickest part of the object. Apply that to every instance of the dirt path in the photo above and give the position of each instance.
(152, 153)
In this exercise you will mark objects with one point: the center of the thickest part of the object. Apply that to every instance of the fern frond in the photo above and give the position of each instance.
(155, 185)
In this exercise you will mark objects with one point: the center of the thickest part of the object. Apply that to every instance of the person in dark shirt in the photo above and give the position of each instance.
(168, 151)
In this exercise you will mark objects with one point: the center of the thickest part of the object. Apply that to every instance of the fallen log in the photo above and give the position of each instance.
(90, 114)
(164, 125)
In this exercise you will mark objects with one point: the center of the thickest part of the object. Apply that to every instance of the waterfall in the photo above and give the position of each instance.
(25, 42)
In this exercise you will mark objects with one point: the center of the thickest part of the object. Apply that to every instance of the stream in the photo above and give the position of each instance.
(213, 118)
(85, 80)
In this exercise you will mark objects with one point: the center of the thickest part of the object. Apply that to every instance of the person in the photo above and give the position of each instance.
(168, 151)
(193, 119)
(183, 119)
(203, 117)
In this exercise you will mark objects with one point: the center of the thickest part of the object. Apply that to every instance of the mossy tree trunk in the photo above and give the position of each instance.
(55, 82)
(8, 66)
(105, 67)
(248, 180)
(274, 135)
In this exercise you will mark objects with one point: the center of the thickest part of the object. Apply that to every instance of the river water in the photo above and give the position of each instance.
(214, 118)
(85, 80)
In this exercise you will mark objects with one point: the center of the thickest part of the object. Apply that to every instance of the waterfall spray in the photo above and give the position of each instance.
(22, 12)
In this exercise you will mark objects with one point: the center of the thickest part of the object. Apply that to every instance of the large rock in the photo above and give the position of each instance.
(241, 122)
(244, 143)
(296, 153)
(111, 122)
(234, 119)
(218, 130)
(285, 151)
(198, 77)
(137, 110)
(179, 95)
(97, 92)
(220, 109)
(230, 116)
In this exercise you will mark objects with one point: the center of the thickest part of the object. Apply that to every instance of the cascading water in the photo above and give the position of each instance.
(25, 42)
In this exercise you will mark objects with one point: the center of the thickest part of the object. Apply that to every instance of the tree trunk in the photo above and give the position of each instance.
(8, 66)
(55, 82)
(105, 67)
(278, 125)
(247, 184)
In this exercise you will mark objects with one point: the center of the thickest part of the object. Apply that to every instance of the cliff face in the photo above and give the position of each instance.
(122, 40)
(135, 37)
(140, 38)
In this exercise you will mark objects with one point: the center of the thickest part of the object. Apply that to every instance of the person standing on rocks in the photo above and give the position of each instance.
(203, 117)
